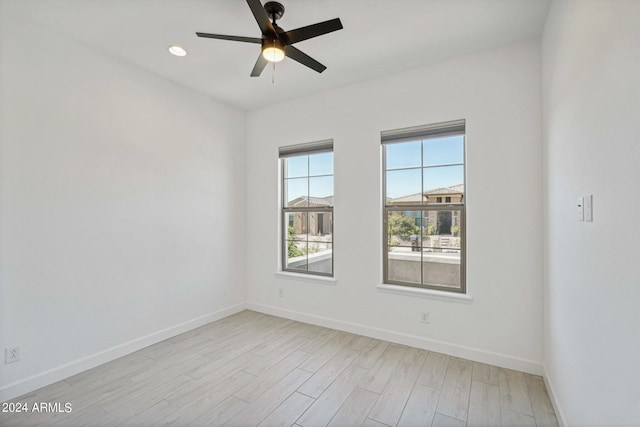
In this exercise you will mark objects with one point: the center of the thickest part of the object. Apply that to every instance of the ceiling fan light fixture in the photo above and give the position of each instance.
(273, 54)
(177, 50)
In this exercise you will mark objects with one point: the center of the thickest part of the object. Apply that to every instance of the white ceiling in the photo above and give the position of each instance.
(379, 38)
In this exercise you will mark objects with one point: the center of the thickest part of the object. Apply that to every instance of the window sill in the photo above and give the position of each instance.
(427, 293)
(311, 278)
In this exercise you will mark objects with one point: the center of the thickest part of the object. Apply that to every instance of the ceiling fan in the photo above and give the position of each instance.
(276, 42)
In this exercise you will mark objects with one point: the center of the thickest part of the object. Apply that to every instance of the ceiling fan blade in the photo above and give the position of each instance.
(304, 59)
(315, 30)
(261, 17)
(232, 38)
(260, 64)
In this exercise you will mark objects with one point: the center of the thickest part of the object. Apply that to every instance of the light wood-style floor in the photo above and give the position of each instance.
(253, 369)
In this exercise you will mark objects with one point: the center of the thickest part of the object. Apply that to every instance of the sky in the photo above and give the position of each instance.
(305, 173)
(437, 161)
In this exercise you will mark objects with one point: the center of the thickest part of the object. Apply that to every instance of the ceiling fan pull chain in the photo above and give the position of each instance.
(273, 72)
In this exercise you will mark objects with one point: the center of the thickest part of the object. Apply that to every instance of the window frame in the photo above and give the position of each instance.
(437, 130)
(308, 149)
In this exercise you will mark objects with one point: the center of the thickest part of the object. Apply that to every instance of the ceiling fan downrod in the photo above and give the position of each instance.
(275, 10)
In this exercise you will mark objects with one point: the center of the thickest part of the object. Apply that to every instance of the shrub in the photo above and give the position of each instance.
(402, 226)
(292, 249)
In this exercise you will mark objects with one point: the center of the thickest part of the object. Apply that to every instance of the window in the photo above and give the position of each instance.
(424, 238)
(307, 208)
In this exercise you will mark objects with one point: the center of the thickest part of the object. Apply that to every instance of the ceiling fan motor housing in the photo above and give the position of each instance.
(274, 9)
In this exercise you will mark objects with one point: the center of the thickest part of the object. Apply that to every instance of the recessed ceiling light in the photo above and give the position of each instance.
(177, 50)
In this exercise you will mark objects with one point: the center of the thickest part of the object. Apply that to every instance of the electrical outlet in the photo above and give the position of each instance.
(281, 293)
(11, 354)
(424, 317)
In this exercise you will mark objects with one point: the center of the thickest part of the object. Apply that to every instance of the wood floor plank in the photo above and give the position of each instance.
(415, 356)
(516, 419)
(288, 412)
(311, 331)
(325, 407)
(324, 376)
(541, 403)
(220, 414)
(211, 390)
(204, 412)
(179, 367)
(454, 398)
(219, 340)
(317, 342)
(381, 371)
(270, 400)
(513, 392)
(243, 319)
(86, 404)
(163, 349)
(359, 343)
(245, 340)
(268, 378)
(180, 415)
(355, 409)
(137, 399)
(119, 368)
(326, 352)
(444, 421)
(153, 415)
(83, 399)
(434, 370)
(371, 353)
(231, 362)
(393, 398)
(266, 361)
(372, 423)
(106, 371)
(484, 405)
(485, 373)
(420, 408)
(284, 335)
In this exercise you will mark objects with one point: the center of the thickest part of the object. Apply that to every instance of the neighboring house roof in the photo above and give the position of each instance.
(419, 197)
(454, 189)
(304, 201)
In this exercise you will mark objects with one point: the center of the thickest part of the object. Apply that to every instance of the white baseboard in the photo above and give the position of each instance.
(59, 373)
(456, 350)
(554, 398)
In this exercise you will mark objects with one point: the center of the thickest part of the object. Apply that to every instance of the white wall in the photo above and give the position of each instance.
(498, 92)
(591, 101)
(120, 211)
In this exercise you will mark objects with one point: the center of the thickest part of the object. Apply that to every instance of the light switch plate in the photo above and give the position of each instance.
(588, 208)
(580, 208)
